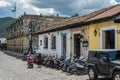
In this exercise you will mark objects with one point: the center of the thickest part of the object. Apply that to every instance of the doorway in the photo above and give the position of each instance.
(77, 48)
(64, 46)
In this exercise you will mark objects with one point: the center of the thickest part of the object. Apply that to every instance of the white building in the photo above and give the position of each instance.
(55, 43)
(3, 43)
(3, 40)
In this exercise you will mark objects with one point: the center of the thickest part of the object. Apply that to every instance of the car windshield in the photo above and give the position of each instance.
(114, 55)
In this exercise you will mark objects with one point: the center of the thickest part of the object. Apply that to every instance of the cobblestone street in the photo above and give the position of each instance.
(16, 69)
(12, 68)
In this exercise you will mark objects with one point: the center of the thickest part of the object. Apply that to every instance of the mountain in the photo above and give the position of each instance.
(4, 24)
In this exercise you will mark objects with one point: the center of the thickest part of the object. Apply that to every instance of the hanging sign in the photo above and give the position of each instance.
(85, 43)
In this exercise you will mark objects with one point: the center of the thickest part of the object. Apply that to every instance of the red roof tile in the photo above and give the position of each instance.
(105, 12)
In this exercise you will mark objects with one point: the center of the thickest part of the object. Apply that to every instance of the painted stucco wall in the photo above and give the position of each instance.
(85, 32)
(118, 36)
(94, 41)
(58, 51)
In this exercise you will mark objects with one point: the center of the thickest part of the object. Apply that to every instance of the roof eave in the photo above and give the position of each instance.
(80, 24)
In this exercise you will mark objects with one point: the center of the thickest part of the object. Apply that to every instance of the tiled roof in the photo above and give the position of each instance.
(105, 12)
(108, 13)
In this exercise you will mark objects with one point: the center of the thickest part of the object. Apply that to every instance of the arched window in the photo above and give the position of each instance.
(45, 42)
(53, 42)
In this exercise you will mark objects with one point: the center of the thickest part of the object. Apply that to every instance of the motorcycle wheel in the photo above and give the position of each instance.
(71, 71)
(63, 68)
(28, 66)
(31, 66)
(58, 68)
(78, 71)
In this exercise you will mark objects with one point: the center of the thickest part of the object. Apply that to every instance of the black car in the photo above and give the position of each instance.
(104, 63)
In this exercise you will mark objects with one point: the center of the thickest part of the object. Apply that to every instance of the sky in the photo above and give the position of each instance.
(52, 7)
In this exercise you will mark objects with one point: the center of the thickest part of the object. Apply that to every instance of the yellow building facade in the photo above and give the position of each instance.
(97, 42)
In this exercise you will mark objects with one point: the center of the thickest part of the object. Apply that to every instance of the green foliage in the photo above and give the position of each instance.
(4, 24)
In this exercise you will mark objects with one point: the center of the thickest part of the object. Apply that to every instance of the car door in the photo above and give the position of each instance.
(104, 67)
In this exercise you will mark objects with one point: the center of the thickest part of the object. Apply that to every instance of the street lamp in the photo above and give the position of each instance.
(30, 37)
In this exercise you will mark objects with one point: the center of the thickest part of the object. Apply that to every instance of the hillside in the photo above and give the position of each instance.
(4, 23)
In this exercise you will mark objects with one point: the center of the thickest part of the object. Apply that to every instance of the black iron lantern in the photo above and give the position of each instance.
(95, 32)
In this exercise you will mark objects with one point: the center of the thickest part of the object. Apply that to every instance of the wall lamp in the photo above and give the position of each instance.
(95, 32)
(118, 31)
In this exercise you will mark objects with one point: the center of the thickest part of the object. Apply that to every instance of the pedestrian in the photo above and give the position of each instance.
(39, 60)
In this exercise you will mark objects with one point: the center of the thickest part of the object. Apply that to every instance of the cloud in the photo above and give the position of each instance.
(30, 8)
(69, 7)
(4, 4)
(87, 6)
(53, 7)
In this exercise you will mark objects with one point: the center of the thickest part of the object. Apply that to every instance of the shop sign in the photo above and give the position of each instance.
(85, 43)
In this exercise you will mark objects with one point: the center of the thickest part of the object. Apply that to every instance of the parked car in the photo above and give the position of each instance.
(104, 63)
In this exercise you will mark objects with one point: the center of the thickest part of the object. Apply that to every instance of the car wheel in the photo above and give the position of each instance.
(116, 76)
(92, 74)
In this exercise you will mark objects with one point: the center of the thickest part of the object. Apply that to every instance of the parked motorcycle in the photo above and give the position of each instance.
(72, 66)
(58, 63)
(24, 55)
(66, 63)
(52, 62)
(78, 66)
(43, 58)
(47, 61)
(30, 63)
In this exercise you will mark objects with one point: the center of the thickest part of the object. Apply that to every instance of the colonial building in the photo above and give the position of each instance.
(78, 35)
(105, 30)
(67, 38)
(18, 33)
